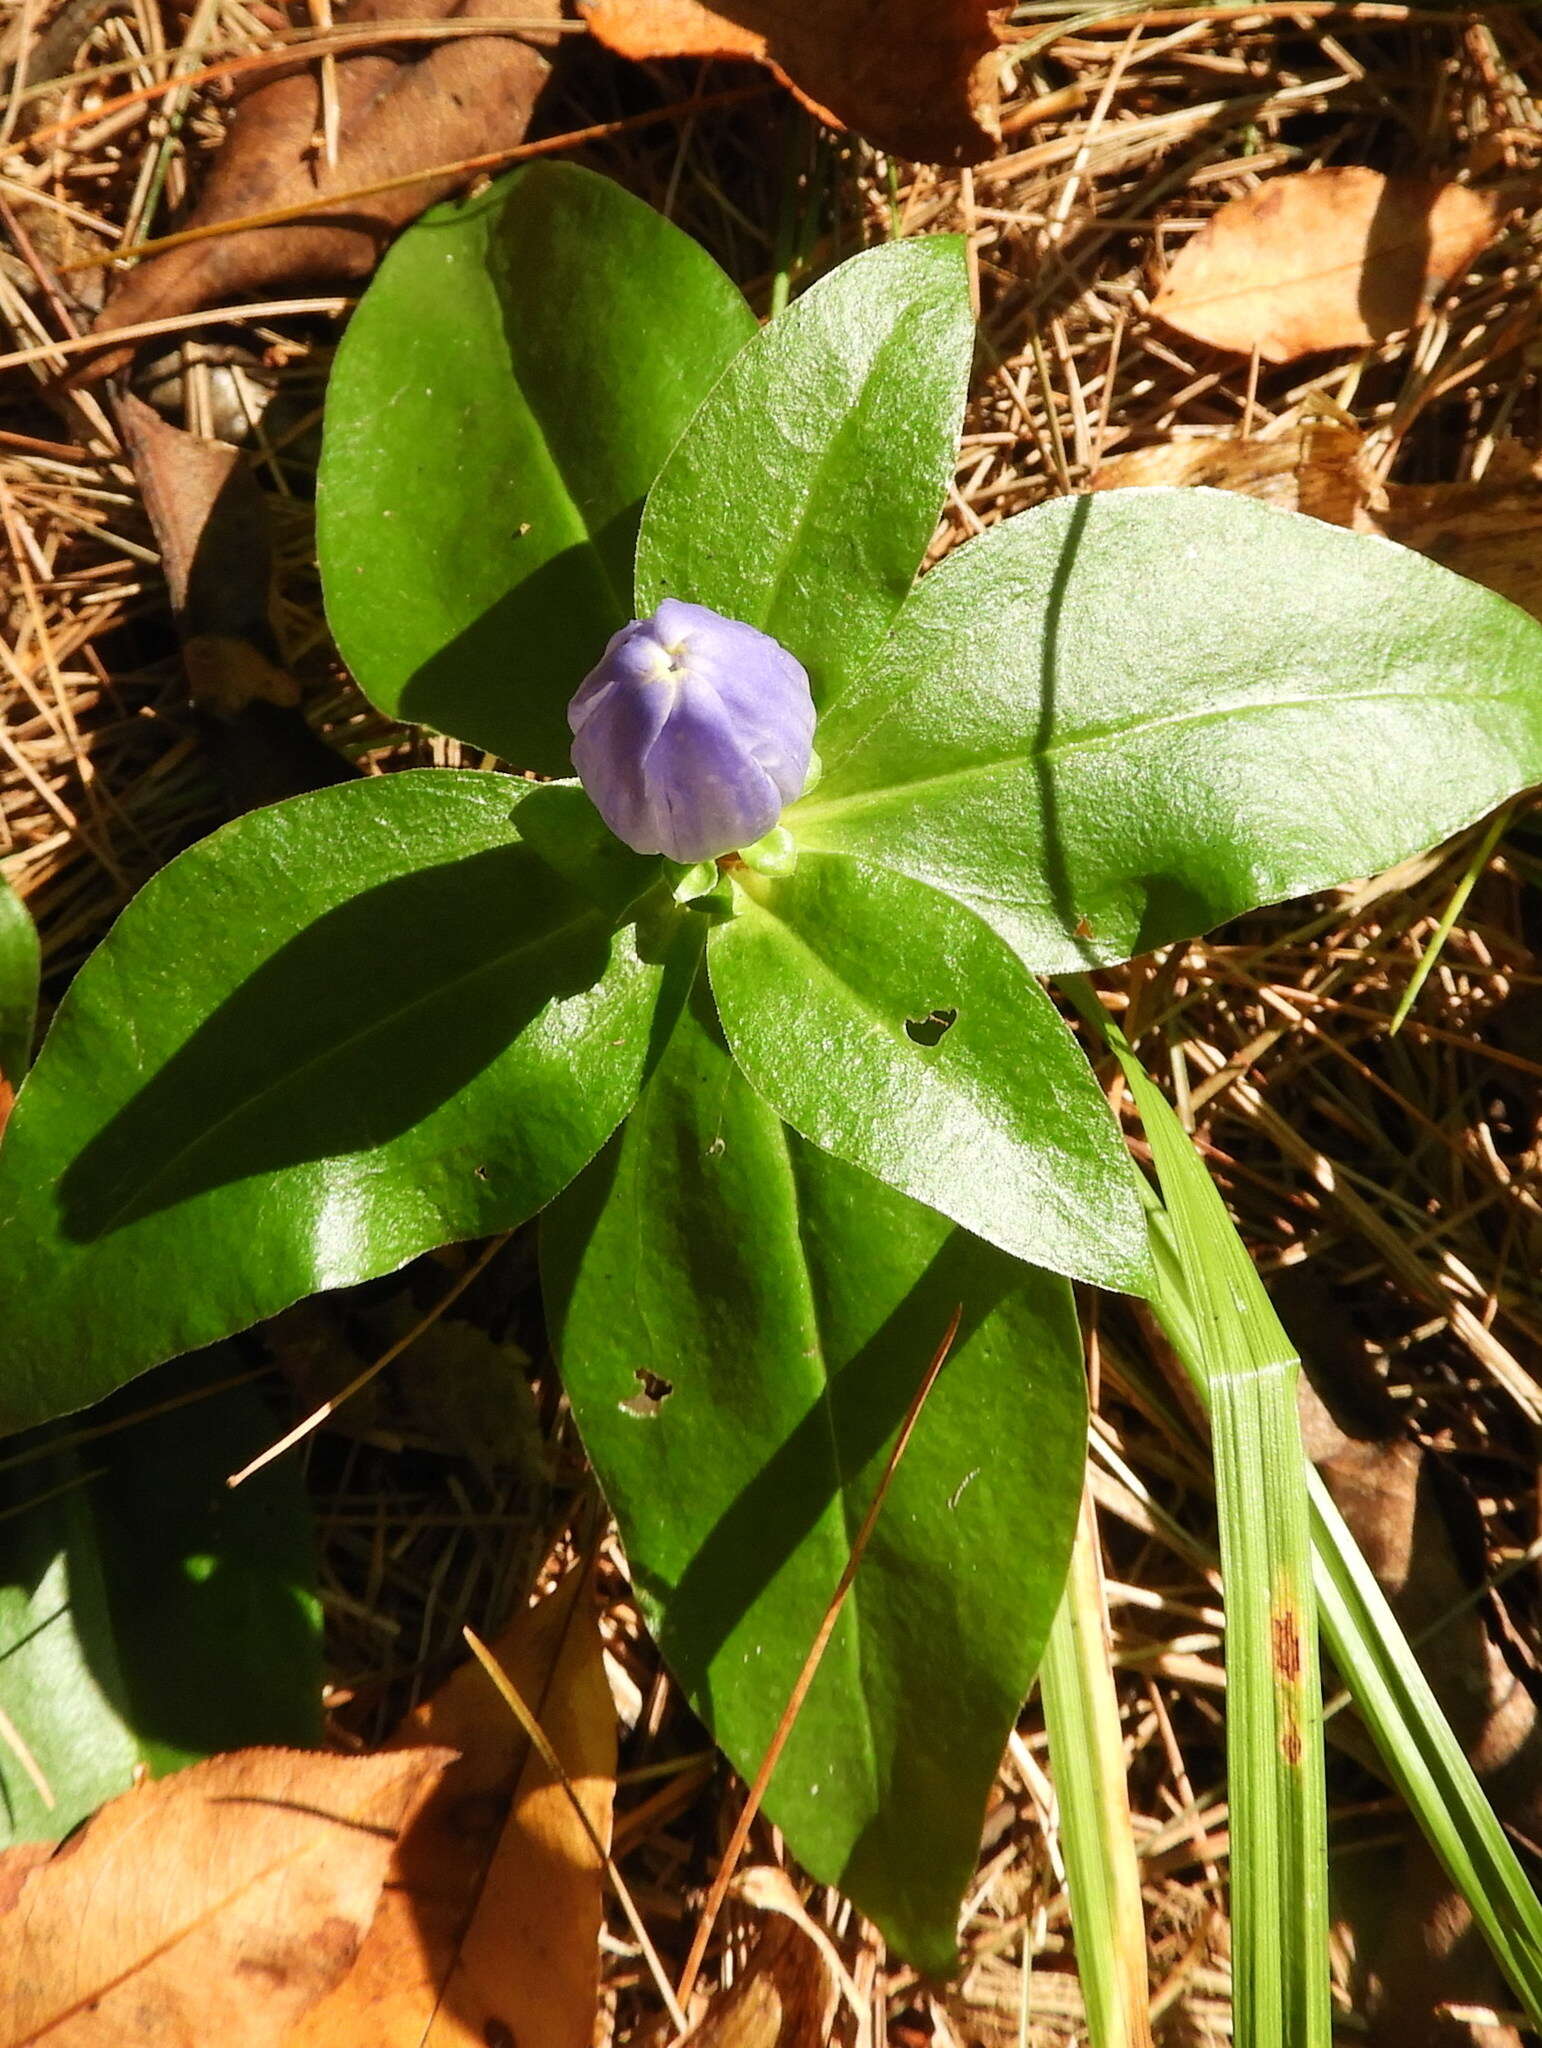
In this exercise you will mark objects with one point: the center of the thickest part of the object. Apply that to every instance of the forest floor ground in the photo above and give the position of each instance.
(1388, 1186)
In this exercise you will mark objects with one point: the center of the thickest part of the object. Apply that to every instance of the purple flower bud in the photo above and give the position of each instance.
(692, 732)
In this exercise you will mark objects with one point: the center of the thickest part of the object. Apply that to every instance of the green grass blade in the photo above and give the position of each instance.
(1477, 862)
(1394, 1699)
(1424, 1758)
(1390, 1691)
(1276, 1781)
(1086, 1753)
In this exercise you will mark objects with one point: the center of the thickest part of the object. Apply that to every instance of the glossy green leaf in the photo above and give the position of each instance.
(337, 1032)
(804, 492)
(742, 1323)
(1119, 720)
(503, 398)
(19, 959)
(148, 1613)
(892, 1027)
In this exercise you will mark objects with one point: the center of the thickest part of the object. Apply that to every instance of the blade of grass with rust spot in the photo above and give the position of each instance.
(1246, 1369)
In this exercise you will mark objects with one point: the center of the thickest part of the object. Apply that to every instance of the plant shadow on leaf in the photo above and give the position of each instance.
(354, 1031)
(1167, 901)
(772, 1517)
(504, 681)
(1057, 872)
(189, 1605)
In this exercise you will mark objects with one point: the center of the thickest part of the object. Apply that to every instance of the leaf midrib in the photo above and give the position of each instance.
(1090, 742)
(581, 526)
(781, 570)
(852, 423)
(825, 971)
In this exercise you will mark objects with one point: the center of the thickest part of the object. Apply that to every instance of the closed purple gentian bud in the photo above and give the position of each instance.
(691, 733)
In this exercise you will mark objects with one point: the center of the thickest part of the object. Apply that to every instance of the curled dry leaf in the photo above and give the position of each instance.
(1317, 466)
(489, 1928)
(401, 108)
(918, 77)
(210, 520)
(1336, 258)
(780, 1999)
(210, 525)
(213, 1906)
(1489, 531)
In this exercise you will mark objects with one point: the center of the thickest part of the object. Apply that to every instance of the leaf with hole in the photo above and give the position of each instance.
(779, 1308)
(506, 393)
(335, 1034)
(892, 1027)
(1117, 721)
(803, 494)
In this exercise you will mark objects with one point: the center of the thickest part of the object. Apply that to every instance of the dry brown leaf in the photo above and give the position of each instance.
(210, 521)
(210, 524)
(1318, 466)
(918, 77)
(398, 112)
(1490, 530)
(213, 1906)
(489, 1929)
(769, 1887)
(1336, 258)
(781, 1998)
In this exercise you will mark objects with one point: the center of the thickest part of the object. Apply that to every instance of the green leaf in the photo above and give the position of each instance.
(892, 1027)
(742, 1323)
(148, 1614)
(19, 957)
(803, 494)
(334, 1034)
(1119, 720)
(503, 398)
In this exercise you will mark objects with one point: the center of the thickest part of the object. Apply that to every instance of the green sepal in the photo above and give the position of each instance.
(774, 856)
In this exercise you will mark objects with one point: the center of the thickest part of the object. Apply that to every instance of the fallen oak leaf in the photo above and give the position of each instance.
(209, 517)
(918, 77)
(396, 115)
(489, 1928)
(214, 1905)
(1489, 531)
(1317, 466)
(780, 1999)
(1326, 259)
